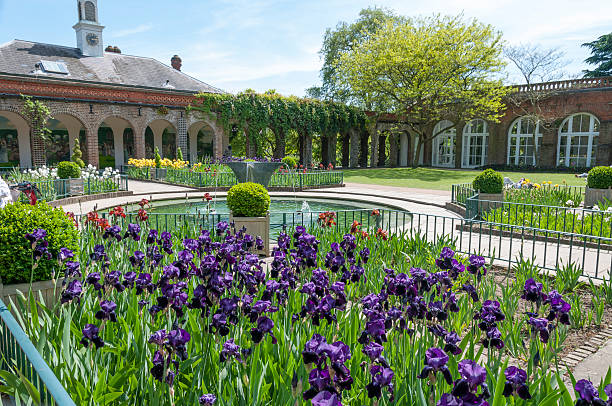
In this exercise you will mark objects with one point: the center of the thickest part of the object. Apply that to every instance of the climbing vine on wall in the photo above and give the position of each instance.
(254, 112)
(37, 113)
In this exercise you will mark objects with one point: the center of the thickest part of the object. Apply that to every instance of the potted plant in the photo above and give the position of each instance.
(249, 203)
(599, 186)
(490, 187)
(72, 173)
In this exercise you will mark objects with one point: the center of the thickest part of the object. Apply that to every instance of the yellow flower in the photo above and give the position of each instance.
(556, 185)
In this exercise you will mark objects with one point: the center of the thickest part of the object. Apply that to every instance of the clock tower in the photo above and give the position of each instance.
(88, 29)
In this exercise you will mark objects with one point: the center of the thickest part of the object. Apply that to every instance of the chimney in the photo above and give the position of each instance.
(176, 62)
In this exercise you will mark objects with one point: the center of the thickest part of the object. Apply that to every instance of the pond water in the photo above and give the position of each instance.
(286, 212)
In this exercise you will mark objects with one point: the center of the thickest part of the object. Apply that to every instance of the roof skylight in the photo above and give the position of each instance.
(54, 67)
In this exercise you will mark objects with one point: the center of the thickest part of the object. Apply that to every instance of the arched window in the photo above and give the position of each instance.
(475, 144)
(443, 151)
(524, 141)
(577, 144)
(90, 11)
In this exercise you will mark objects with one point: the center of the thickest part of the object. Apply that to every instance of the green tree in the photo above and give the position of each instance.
(77, 155)
(343, 39)
(601, 55)
(429, 69)
(179, 154)
(157, 158)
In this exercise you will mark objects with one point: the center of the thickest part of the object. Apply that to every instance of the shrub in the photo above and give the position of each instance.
(19, 219)
(179, 154)
(600, 177)
(157, 158)
(488, 181)
(67, 169)
(248, 200)
(77, 155)
(292, 162)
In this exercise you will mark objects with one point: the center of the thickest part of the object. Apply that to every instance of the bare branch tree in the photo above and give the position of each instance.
(536, 65)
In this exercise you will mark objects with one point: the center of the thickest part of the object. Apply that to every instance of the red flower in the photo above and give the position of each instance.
(207, 197)
(117, 212)
(72, 217)
(143, 215)
(327, 219)
(364, 235)
(375, 212)
(382, 234)
(143, 203)
(355, 227)
(102, 223)
(92, 217)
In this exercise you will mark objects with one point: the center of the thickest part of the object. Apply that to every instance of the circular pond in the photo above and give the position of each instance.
(284, 212)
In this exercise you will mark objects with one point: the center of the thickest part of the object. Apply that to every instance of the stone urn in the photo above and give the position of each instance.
(258, 172)
(257, 227)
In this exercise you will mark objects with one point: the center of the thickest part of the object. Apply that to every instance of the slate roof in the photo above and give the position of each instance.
(21, 57)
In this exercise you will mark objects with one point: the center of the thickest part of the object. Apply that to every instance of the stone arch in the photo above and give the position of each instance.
(120, 139)
(160, 129)
(15, 144)
(202, 140)
(65, 128)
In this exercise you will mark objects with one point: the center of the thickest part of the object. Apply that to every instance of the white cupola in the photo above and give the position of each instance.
(88, 29)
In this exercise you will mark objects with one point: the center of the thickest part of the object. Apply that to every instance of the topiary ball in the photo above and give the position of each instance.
(19, 219)
(248, 200)
(600, 177)
(67, 170)
(488, 181)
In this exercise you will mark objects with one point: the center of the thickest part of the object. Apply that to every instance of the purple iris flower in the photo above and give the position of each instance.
(94, 279)
(98, 253)
(222, 227)
(230, 349)
(516, 382)
(158, 338)
(152, 237)
(588, 394)
(207, 400)
(326, 398)
(264, 326)
(451, 340)
(473, 376)
(64, 254)
(73, 269)
(435, 361)
(373, 351)
(137, 259)
(471, 290)
(559, 308)
(489, 315)
(445, 261)
(72, 292)
(493, 339)
(449, 400)
(364, 254)
(381, 377)
(477, 266)
(36, 235)
(133, 231)
(107, 311)
(533, 291)
(313, 349)
(541, 326)
(90, 335)
(112, 232)
(143, 282)
(41, 250)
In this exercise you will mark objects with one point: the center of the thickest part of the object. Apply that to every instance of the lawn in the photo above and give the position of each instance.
(442, 179)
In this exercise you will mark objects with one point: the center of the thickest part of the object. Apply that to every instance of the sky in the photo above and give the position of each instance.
(274, 44)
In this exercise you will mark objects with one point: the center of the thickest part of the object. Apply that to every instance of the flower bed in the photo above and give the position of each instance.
(357, 318)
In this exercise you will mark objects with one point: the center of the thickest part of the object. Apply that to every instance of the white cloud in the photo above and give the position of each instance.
(131, 31)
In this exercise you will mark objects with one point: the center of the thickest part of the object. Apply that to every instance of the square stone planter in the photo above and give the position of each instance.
(596, 196)
(76, 187)
(160, 173)
(255, 226)
(50, 293)
(489, 201)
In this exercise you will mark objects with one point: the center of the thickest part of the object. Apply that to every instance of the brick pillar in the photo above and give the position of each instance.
(324, 150)
(547, 155)
(182, 138)
(363, 156)
(355, 145)
(218, 143)
(382, 149)
(91, 137)
(393, 150)
(345, 150)
(604, 144)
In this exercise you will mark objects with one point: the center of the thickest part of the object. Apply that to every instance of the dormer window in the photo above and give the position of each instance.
(54, 67)
(167, 85)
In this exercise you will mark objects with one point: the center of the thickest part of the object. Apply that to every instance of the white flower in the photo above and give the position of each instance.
(569, 203)
(596, 207)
